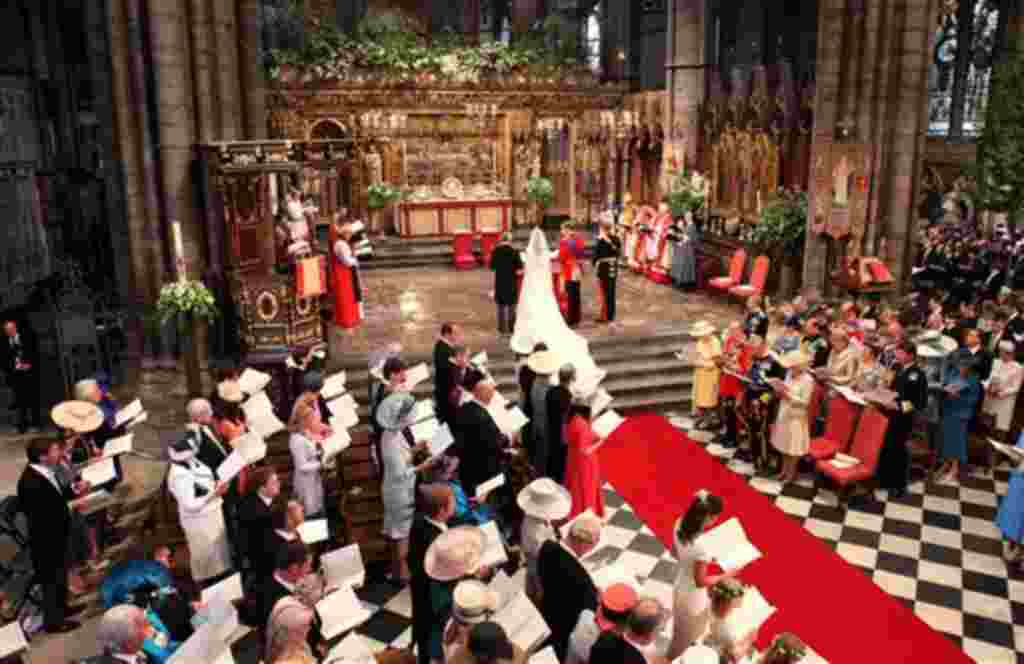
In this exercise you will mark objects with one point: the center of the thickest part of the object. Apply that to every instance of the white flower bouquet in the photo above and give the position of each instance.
(183, 299)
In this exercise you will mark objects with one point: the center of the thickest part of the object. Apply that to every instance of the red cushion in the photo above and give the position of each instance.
(823, 448)
(722, 283)
(844, 476)
(745, 290)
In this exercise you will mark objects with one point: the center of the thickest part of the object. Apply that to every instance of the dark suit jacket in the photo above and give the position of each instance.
(444, 371)
(211, 453)
(255, 528)
(29, 350)
(568, 590)
(266, 594)
(506, 262)
(421, 536)
(49, 520)
(478, 443)
(611, 648)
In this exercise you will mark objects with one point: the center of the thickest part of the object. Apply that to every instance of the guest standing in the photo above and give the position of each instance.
(543, 364)
(684, 255)
(791, 436)
(452, 557)
(479, 444)
(911, 387)
(199, 497)
(348, 292)
(729, 635)
(1010, 518)
(690, 603)
(566, 587)
(1003, 387)
(472, 603)
(19, 356)
(507, 264)
(398, 481)
(438, 507)
(488, 644)
(570, 251)
(962, 391)
(255, 517)
(45, 506)
(542, 502)
(705, 372)
(287, 634)
(444, 351)
(613, 615)
(606, 262)
(557, 403)
(583, 473)
(305, 444)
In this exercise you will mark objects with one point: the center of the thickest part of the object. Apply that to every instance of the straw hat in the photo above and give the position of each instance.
(455, 553)
(699, 654)
(473, 602)
(543, 363)
(230, 391)
(794, 359)
(394, 409)
(702, 328)
(546, 499)
(77, 416)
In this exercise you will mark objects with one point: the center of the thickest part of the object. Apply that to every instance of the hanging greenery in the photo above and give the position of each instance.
(1000, 166)
(783, 222)
(686, 194)
(383, 43)
(540, 191)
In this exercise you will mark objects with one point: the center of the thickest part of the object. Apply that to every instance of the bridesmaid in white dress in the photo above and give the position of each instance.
(733, 641)
(690, 597)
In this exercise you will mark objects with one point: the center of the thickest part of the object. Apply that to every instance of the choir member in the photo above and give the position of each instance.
(348, 292)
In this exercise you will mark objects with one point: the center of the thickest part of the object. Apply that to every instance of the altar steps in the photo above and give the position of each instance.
(643, 375)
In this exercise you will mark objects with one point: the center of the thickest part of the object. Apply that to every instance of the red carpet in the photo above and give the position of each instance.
(830, 604)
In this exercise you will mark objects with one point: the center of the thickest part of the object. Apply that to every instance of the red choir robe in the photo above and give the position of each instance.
(644, 219)
(660, 268)
(348, 298)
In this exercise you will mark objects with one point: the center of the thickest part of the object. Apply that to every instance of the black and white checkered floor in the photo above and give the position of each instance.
(936, 549)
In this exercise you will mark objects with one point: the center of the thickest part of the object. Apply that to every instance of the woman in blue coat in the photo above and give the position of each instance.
(961, 392)
(1010, 518)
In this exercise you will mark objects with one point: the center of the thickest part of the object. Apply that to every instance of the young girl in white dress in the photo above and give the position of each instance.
(690, 597)
(733, 641)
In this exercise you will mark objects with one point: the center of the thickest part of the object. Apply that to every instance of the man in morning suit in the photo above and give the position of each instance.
(45, 506)
(294, 561)
(633, 646)
(506, 263)
(438, 506)
(212, 452)
(444, 351)
(19, 355)
(255, 520)
(478, 441)
(566, 585)
(606, 261)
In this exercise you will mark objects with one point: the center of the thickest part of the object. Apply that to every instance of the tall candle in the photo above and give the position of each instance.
(178, 247)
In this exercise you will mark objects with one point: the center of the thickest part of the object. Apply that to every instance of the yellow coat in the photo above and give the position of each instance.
(706, 373)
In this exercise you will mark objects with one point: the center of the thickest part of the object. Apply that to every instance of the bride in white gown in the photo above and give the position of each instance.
(539, 319)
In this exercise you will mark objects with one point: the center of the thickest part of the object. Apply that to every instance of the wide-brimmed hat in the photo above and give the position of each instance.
(702, 328)
(546, 499)
(543, 363)
(455, 553)
(181, 449)
(230, 391)
(473, 602)
(794, 359)
(393, 410)
(77, 416)
(699, 654)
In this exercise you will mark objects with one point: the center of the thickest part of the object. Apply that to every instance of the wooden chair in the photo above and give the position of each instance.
(866, 448)
(842, 419)
(736, 264)
(757, 278)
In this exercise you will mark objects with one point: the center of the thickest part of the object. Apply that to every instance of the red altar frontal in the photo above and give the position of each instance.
(451, 217)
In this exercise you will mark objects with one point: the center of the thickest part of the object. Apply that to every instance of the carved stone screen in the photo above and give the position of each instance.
(443, 147)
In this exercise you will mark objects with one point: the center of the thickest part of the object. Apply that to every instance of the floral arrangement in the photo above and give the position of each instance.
(383, 42)
(540, 191)
(726, 590)
(783, 221)
(184, 299)
(687, 193)
(382, 195)
(786, 648)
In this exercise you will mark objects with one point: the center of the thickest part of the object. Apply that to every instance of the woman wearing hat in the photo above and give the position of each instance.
(305, 444)
(398, 479)
(791, 435)
(199, 496)
(961, 391)
(1004, 385)
(582, 472)
(472, 603)
(542, 502)
(488, 644)
(452, 557)
(706, 372)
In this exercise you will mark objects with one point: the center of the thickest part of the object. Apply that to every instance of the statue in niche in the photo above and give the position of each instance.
(841, 183)
(374, 167)
(294, 229)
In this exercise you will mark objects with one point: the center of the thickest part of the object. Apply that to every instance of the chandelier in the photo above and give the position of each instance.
(381, 123)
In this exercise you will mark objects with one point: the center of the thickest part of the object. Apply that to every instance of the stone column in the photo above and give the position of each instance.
(203, 41)
(254, 80)
(226, 69)
(524, 13)
(471, 20)
(686, 83)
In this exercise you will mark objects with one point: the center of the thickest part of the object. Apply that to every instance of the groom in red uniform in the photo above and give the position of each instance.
(570, 250)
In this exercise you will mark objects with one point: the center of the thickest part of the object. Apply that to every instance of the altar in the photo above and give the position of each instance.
(450, 217)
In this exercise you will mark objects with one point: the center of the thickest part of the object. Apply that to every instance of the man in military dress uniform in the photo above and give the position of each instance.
(606, 262)
(911, 387)
(757, 411)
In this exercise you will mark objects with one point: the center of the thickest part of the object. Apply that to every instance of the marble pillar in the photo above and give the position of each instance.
(686, 83)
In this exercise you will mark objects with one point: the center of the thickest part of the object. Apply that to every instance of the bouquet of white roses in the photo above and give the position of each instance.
(186, 298)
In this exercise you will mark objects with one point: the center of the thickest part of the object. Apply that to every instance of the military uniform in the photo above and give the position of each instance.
(606, 261)
(911, 386)
(758, 409)
(756, 323)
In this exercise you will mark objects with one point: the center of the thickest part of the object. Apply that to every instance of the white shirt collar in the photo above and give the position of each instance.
(290, 587)
(131, 659)
(46, 472)
(266, 501)
(442, 526)
(287, 535)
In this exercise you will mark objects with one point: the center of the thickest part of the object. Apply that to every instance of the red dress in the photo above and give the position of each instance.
(347, 296)
(582, 473)
(730, 386)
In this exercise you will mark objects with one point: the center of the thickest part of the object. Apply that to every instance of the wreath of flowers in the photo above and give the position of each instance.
(186, 298)
(727, 589)
(786, 647)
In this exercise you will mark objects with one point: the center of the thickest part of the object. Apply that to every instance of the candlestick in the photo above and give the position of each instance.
(178, 247)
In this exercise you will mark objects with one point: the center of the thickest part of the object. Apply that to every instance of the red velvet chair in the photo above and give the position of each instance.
(462, 250)
(866, 447)
(842, 419)
(757, 278)
(814, 407)
(736, 264)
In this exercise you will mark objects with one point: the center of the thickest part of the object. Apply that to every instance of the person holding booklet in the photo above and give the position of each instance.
(791, 435)
(566, 586)
(1010, 518)
(288, 633)
(472, 603)
(693, 578)
(478, 440)
(542, 501)
(398, 479)
(453, 556)
(308, 432)
(583, 472)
